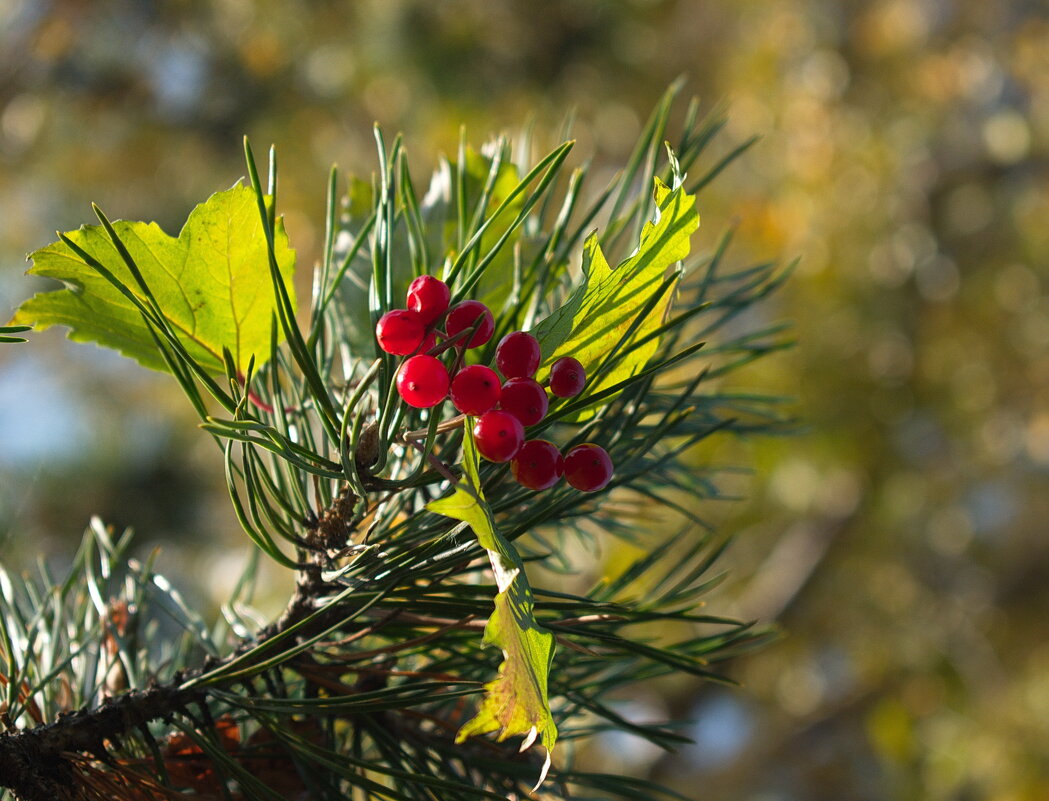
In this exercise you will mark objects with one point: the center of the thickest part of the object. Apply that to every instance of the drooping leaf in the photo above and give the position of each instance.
(516, 700)
(606, 304)
(212, 284)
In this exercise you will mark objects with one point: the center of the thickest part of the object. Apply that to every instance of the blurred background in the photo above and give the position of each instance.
(900, 542)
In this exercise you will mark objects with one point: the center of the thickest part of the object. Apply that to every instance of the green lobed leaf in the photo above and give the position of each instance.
(605, 306)
(212, 284)
(516, 700)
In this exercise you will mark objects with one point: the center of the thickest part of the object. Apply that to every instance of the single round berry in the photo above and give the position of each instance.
(538, 465)
(475, 389)
(567, 377)
(525, 399)
(399, 332)
(465, 315)
(517, 355)
(422, 381)
(428, 297)
(588, 467)
(499, 436)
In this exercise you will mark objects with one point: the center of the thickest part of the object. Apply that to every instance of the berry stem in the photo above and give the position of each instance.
(460, 350)
(452, 423)
(454, 340)
(449, 342)
(256, 400)
(260, 403)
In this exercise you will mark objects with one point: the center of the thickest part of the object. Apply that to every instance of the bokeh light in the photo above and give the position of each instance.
(898, 539)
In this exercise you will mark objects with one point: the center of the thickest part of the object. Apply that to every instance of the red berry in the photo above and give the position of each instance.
(525, 399)
(567, 377)
(428, 297)
(475, 389)
(538, 465)
(399, 332)
(588, 467)
(517, 355)
(422, 381)
(499, 436)
(465, 315)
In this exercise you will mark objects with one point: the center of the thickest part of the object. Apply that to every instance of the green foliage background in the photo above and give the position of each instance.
(900, 541)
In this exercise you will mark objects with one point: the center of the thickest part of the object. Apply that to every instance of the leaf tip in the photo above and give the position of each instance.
(102, 218)
(529, 739)
(545, 770)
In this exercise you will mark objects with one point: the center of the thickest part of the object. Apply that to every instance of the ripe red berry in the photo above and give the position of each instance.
(464, 315)
(399, 332)
(475, 389)
(499, 436)
(428, 297)
(525, 399)
(588, 467)
(538, 465)
(517, 355)
(422, 381)
(567, 377)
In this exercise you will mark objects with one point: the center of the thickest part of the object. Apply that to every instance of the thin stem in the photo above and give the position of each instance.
(450, 424)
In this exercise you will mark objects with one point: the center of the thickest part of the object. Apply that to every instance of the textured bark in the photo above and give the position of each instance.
(32, 762)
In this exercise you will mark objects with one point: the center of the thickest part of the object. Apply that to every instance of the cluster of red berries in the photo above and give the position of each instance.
(503, 408)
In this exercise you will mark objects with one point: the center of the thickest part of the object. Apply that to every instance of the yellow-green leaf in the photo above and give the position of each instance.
(516, 701)
(212, 284)
(592, 324)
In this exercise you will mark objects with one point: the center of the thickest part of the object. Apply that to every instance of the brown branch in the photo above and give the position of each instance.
(33, 762)
(36, 763)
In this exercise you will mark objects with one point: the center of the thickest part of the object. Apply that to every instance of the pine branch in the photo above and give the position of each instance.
(35, 763)
(405, 545)
(38, 763)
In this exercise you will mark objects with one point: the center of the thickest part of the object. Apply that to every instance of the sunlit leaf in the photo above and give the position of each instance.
(516, 701)
(212, 284)
(592, 324)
